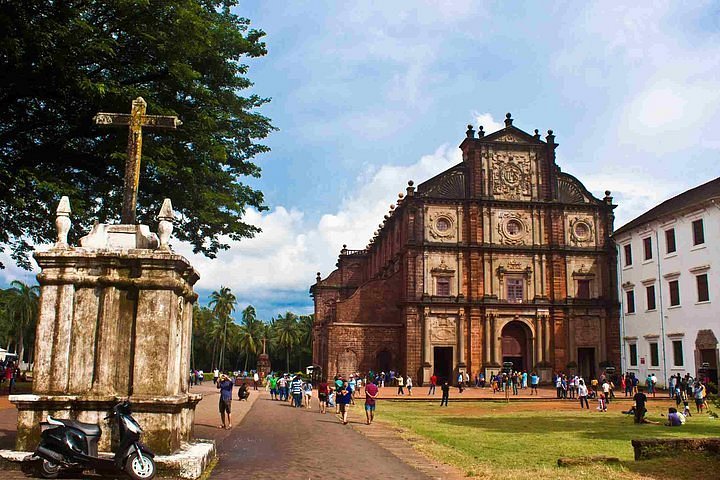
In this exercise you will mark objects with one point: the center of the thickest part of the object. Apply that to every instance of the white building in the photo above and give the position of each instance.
(669, 269)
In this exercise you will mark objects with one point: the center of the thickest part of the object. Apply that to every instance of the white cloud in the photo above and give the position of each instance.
(487, 122)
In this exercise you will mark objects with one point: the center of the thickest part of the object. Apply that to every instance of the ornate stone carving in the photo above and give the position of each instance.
(62, 222)
(443, 330)
(513, 228)
(165, 225)
(581, 230)
(442, 270)
(442, 225)
(511, 175)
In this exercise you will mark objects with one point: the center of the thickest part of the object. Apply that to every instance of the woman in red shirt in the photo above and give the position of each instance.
(323, 395)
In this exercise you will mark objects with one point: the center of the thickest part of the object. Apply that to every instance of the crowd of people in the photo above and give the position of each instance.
(342, 392)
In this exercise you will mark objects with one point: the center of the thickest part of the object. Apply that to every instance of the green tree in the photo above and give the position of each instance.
(62, 62)
(287, 334)
(19, 308)
(250, 333)
(222, 303)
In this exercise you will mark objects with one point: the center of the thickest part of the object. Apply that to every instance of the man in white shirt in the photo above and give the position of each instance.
(216, 375)
(256, 379)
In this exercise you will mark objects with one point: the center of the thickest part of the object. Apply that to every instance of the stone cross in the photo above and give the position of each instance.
(136, 120)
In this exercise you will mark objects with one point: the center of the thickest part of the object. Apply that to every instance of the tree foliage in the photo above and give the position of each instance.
(18, 315)
(288, 337)
(62, 62)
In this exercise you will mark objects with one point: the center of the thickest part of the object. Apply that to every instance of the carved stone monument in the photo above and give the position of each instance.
(114, 321)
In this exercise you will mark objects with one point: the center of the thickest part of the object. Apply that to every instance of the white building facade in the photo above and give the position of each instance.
(669, 277)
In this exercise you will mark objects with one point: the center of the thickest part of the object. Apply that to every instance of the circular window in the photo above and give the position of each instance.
(442, 224)
(582, 230)
(514, 228)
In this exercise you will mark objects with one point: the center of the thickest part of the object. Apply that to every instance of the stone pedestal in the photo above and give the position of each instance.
(114, 322)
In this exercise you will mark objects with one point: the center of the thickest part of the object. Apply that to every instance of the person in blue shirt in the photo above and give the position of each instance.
(225, 404)
(534, 380)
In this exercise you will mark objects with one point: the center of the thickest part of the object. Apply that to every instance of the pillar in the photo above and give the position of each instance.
(461, 340)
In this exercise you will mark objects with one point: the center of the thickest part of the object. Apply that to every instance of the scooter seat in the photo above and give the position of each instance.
(89, 429)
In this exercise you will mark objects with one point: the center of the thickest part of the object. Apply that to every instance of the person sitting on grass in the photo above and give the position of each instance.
(675, 419)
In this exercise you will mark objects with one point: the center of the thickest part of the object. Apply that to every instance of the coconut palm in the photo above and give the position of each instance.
(19, 307)
(287, 334)
(223, 305)
(250, 333)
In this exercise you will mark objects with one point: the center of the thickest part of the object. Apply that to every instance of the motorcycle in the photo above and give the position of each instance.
(69, 445)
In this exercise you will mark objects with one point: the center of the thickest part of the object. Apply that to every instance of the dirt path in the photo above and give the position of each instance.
(278, 441)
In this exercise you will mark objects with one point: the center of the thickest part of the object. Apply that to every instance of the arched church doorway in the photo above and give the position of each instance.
(516, 345)
(383, 360)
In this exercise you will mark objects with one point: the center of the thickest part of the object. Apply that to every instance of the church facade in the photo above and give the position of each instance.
(501, 258)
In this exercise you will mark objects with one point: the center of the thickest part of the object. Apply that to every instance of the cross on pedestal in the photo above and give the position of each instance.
(136, 120)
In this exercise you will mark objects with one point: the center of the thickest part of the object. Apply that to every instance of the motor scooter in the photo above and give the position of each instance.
(69, 445)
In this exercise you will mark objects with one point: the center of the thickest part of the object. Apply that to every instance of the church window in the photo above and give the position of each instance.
(654, 355)
(670, 240)
(633, 354)
(630, 295)
(698, 232)
(514, 290)
(647, 248)
(442, 225)
(514, 227)
(674, 293)
(581, 230)
(677, 353)
(702, 288)
(442, 286)
(583, 289)
(628, 255)
(650, 294)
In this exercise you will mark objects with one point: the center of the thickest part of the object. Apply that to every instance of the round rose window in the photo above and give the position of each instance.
(582, 230)
(513, 227)
(442, 225)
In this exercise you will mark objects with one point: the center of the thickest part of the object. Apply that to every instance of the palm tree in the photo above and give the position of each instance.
(20, 306)
(250, 334)
(223, 305)
(287, 334)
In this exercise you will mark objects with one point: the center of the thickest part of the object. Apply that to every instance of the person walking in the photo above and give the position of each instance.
(225, 385)
(534, 381)
(323, 395)
(256, 379)
(401, 384)
(371, 394)
(296, 389)
(640, 400)
(433, 383)
(343, 399)
(409, 385)
(445, 393)
(307, 393)
(583, 394)
(216, 375)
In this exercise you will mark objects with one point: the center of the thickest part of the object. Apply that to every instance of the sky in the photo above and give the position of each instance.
(368, 95)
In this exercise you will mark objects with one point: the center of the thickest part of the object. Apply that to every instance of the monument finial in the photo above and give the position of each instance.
(470, 132)
(508, 120)
(165, 225)
(62, 222)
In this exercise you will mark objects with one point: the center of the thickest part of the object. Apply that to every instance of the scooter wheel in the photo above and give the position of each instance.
(49, 469)
(140, 469)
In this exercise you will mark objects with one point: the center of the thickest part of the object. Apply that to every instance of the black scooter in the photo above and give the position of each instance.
(69, 445)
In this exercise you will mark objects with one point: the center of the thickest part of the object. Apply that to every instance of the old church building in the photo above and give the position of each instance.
(501, 258)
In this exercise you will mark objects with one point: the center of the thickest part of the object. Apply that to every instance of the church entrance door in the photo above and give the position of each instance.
(383, 360)
(586, 363)
(516, 346)
(443, 364)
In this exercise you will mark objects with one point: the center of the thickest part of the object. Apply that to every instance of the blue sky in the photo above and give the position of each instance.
(368, 95)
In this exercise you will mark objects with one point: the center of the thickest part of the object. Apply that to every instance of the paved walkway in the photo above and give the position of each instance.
(276, 440)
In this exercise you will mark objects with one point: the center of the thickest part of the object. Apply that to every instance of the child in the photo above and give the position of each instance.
(602, 405)
(308, 394)
(686, 411)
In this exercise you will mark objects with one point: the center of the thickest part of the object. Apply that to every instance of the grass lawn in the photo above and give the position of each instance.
(525, 440)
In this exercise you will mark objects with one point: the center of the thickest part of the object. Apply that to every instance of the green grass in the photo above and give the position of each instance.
(520, 440)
